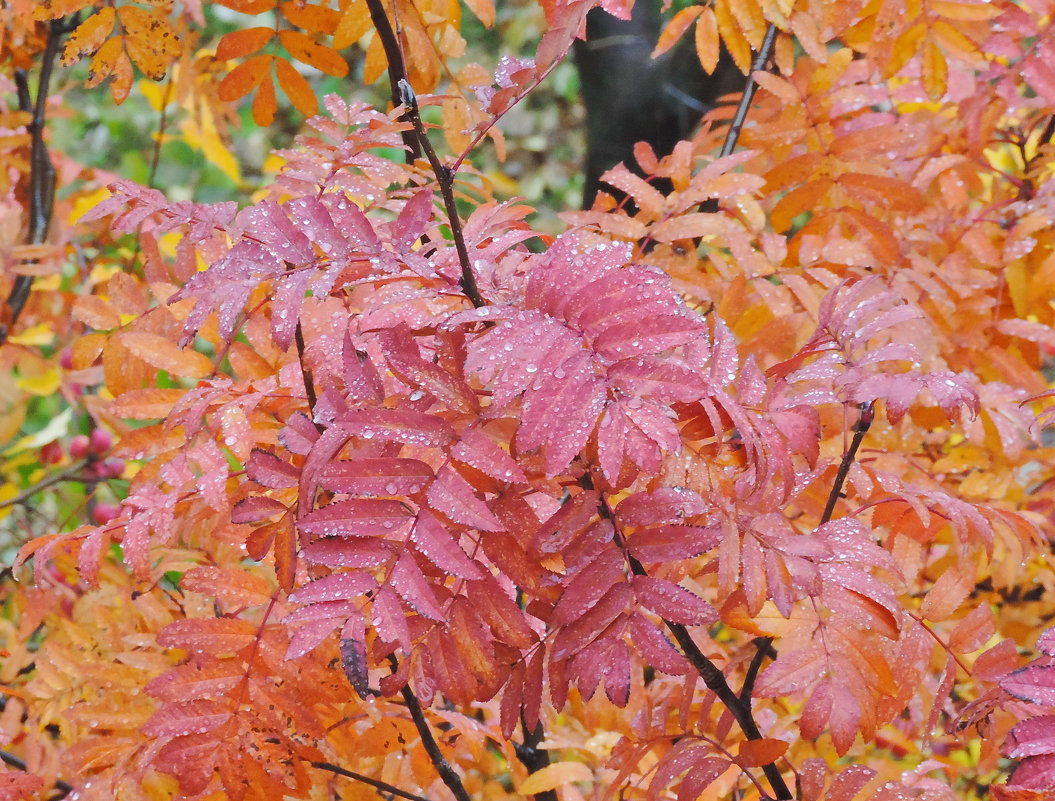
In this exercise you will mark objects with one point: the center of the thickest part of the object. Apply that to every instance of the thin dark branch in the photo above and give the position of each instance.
(382, 787)
(309, 382)
(740, 117)
(447, 773)
(764, 645)
(763, 648)
(41, 169)
(71, 473)
(155, 159)
(446, 181)
(533, 757)
(19, 764)
(710, 673)
(864, 422)
(397, 70)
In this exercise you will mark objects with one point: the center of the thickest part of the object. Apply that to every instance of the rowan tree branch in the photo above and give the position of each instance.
(864, 422)
(740, 117)
(397, 70)
(445, 178)
(711, 674)
(447, 773)
(41, 169)
(381, 787)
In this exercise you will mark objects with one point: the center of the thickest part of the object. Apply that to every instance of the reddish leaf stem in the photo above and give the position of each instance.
(381, 787)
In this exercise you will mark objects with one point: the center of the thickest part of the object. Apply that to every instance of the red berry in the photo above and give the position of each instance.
(103, 513)
(66, 359)
(51, 453)
(100, 441)
(111, 467)
(79, 447)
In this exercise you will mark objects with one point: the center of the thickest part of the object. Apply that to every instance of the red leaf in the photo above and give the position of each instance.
(1031, 737)
(1035, 682)
(269, 471)
(440, 548)
(376, 476)
(414, 588)
(392, 425)
(585, 630)
(673, 602)
(213, 635)
(451, 495)
(357, 517)
(190, 717)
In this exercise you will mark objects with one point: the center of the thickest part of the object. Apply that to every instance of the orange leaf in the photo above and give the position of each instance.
(317, 19)
(376, 61)
(756, 753)
(880, 190)
(89, 36)
(164, 354)
(935, 72)
(96, 312)
(554, 776)
(152, 403)
(121, 77)
(236, 588)
(265, 104)
(484, 11)
(948, 592)
(306, 50)
(86, 350)
(296, 87)
(806, 198)
(677, 26)
(249, 6)
(708, 46)
(150, 40)
(244, 78)
(733, 37)
(752, 23)
(237, 44)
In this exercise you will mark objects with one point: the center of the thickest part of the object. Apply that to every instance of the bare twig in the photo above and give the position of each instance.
(381, 787)
(737, 125)
(71, 473)
(446, 181)
(447, 773)
(397, 70)
(864, 422)
(41, 170)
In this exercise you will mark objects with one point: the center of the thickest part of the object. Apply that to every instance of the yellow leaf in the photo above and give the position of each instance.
(354, 24)
(37, 335)
(555, 775)
(86, 203)
(7, 492)
(970, 10)
(44, 384)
